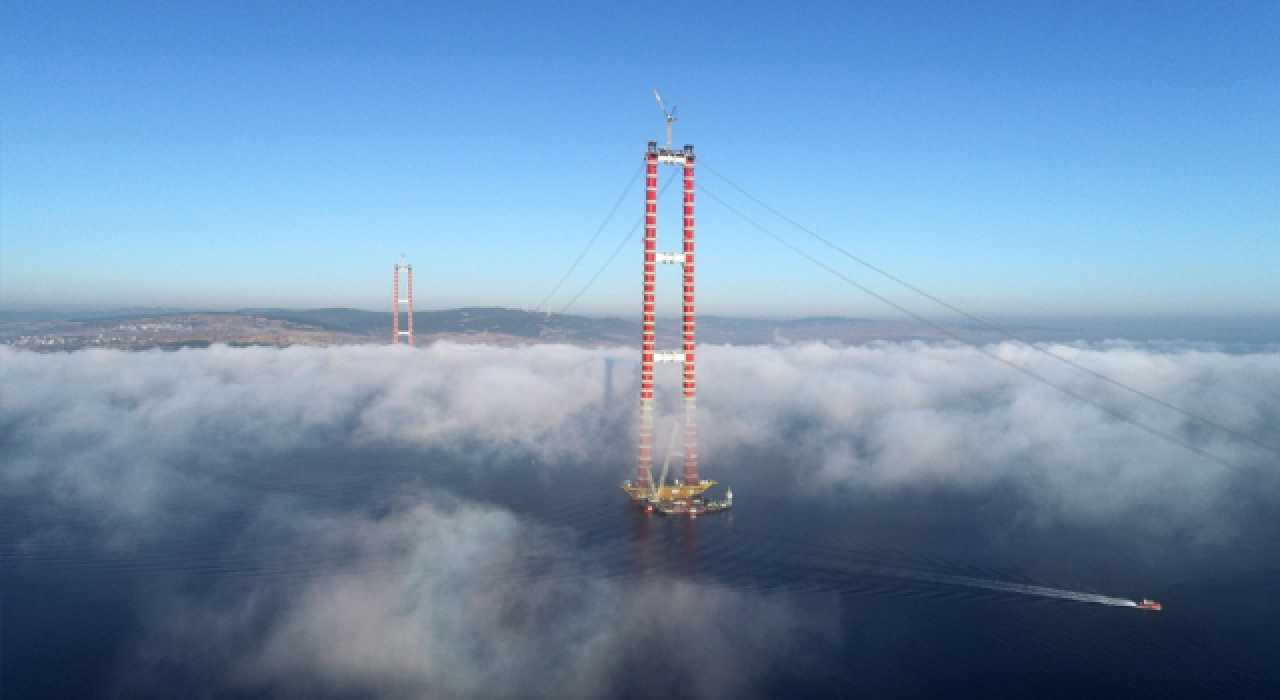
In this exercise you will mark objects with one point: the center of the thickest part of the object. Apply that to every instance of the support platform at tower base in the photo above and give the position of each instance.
(678, 499)
(674, 492)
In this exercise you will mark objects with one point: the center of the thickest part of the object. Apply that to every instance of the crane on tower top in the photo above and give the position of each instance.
(669, 114)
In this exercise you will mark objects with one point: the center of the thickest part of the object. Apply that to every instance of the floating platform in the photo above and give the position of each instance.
(674, 492)
(680, 499)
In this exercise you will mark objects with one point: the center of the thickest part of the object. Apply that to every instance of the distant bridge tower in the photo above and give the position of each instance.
(397, 300)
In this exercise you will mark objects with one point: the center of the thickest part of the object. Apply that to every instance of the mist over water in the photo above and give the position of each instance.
(909, 519)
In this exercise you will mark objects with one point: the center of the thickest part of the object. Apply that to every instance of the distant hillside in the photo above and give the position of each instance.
(147, 328)
(51, 316)
(586, 330)
(467, 321)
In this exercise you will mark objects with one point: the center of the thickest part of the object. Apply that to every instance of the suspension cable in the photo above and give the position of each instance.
(1172, 439)
(635, 176)
(670, 179)
(976, 319)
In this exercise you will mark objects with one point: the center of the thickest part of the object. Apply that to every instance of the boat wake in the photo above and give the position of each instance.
(824, 560)
(1023, 588)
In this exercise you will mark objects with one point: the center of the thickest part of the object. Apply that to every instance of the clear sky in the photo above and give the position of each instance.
(1014, 158)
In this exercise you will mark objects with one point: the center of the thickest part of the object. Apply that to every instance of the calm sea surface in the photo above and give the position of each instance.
(910, 594)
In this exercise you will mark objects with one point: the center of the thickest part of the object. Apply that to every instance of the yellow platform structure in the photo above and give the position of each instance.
(674, 492)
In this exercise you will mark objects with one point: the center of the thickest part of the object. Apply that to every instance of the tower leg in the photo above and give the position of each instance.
(690, 385)
(644, 457)
(395, 306)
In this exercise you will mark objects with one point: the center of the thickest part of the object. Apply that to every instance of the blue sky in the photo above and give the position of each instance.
(1025, 159)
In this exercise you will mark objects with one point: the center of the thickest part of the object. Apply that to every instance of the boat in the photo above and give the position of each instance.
(692, 507)
(1148, 604)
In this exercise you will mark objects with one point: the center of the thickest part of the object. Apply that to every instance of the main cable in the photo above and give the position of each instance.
(1172, 439)
(617, 250)
(532, 317)
(988, 324)
(583, 254)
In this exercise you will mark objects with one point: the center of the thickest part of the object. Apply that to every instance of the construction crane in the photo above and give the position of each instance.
(662, 482)
(670, 115)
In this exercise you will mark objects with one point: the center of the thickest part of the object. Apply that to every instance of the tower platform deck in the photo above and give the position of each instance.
(674, 492)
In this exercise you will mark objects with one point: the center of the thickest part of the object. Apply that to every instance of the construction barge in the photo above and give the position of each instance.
(677, 499)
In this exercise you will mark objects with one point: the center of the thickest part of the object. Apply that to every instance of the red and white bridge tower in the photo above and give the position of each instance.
(397, 300)
(690, 485)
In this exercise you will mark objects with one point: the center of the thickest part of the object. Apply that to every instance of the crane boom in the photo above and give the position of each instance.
(670, 114)
(675, 430)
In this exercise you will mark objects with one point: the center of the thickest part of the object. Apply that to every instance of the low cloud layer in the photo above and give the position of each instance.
(886, 416)
(457, 601)
(430, 594)
(114, 433)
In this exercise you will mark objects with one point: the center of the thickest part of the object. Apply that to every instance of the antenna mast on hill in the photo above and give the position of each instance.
(670, 115)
